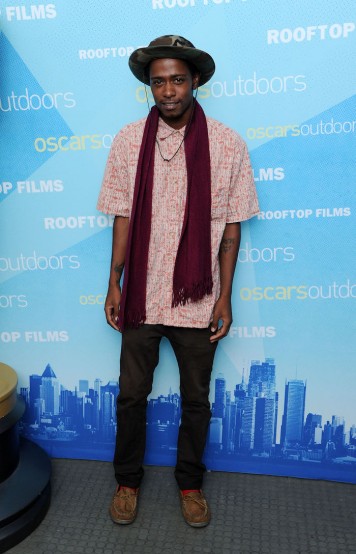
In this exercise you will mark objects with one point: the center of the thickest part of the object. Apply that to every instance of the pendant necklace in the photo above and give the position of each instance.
(175, 153)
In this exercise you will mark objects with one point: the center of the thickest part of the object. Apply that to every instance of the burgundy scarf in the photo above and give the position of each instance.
(192, 278)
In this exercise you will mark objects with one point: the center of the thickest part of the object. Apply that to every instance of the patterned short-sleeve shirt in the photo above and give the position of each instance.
(233, 199)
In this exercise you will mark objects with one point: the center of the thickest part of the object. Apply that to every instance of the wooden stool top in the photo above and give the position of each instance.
(8, 386)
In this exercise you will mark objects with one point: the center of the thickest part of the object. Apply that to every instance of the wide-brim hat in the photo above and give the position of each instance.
(171, 46)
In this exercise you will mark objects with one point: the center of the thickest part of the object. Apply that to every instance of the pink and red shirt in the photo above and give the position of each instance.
(233, 197)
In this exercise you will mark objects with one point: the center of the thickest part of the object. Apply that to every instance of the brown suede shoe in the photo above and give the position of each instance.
(195, 508)
(123, 507)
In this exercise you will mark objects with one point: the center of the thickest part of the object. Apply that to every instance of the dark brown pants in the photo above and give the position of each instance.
(139, 357)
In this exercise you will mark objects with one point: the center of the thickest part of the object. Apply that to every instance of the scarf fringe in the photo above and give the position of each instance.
(134, 320)
(194, 293)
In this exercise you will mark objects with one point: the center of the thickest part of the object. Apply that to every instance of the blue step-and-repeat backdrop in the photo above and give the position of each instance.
(283, 388)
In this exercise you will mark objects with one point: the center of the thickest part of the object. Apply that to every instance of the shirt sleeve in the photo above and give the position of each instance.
(243, 203)
(114, 194)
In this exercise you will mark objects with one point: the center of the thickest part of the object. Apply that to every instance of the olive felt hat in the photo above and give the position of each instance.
(171, 46)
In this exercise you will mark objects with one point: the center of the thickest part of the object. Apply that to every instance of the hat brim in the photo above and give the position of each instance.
(141, 57)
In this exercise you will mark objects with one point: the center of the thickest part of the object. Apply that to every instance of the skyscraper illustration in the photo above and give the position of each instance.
(276, 406)
(312, 429)
(262, 380)
(218, 433)
(49, 391)
(34, 394)
(248, 423)
(327, 434)
(248, 420)
(239, 395)
(215, 432)
(219, 403)
(97, 385)
(264, 423)
(338, 432)
(293, 416)
(108, 409)
(84, 386)
(261, 414)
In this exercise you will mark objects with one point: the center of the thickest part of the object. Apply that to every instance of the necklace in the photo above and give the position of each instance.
(185, 134)
(175, 153)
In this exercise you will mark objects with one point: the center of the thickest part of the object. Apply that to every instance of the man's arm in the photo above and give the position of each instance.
(229, 249)
(119, 243)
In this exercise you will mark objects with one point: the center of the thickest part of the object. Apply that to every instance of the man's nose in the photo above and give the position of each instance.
(169, 90)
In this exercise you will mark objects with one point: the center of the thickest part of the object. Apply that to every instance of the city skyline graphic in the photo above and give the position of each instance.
(244, 433)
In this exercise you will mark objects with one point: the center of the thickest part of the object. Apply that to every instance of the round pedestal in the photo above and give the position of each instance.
(9, 440)
(25, 495)
(11, 410)
(25, 470)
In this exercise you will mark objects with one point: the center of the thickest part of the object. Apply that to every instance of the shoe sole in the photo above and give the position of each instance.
(204, 524)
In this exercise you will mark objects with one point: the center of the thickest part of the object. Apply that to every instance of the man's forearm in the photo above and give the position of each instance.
(229, 249)
(119, 244)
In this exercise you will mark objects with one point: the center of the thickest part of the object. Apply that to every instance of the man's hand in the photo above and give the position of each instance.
(222, 311)
(111, 308)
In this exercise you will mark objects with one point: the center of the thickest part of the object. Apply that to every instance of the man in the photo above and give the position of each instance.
(179, 184)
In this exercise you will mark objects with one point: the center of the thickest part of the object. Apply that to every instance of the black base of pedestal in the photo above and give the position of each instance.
(25, 495)
(9, 439)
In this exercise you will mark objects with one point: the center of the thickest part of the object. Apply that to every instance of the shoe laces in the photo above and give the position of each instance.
(127, 494)
(198, 500)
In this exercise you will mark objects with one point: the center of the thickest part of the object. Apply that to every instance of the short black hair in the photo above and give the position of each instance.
(192, 69)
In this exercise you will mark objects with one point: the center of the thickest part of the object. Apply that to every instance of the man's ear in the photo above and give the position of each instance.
(195, 81)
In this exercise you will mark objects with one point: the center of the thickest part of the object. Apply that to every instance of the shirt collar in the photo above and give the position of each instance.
(164, 130)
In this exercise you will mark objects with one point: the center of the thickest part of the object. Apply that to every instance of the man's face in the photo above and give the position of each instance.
(172, 87)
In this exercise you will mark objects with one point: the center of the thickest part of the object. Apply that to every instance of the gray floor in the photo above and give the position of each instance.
(251, 514)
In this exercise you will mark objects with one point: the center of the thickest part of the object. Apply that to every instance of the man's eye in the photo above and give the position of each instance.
(156, 82)
(178, 80)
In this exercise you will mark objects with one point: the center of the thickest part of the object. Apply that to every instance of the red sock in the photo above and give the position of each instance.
(187, 491)
(130, 488)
